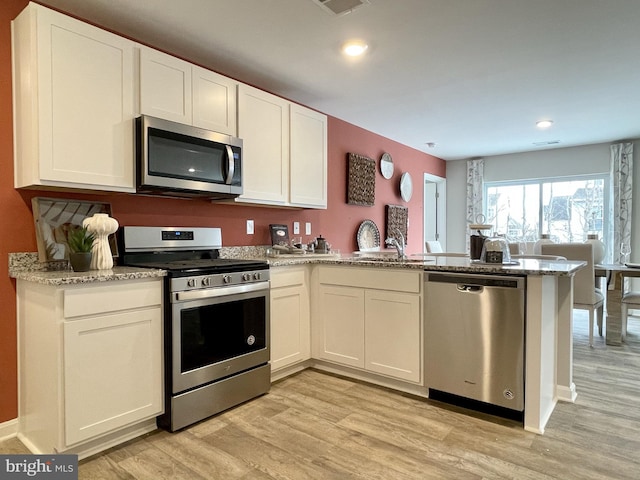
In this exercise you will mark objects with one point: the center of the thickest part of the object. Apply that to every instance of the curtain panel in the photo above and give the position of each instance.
(622, 185)
(475, 181)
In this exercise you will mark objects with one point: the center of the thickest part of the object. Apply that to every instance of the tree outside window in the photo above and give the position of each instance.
(567, 209)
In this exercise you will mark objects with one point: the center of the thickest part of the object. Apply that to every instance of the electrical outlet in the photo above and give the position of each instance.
(307, 228)
(250, 228)
(296, 228)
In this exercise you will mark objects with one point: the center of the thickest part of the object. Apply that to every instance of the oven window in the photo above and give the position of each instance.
(214, 333)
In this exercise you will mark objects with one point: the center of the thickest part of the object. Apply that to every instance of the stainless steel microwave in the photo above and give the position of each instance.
(185, 161)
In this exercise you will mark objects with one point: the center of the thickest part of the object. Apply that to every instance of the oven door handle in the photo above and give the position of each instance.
(218, 292)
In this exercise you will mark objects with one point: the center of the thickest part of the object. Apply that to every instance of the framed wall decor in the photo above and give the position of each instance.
(55, 218)
(397, 219)
(361, 180)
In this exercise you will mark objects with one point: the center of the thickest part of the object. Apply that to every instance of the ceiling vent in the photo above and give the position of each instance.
(340, 7)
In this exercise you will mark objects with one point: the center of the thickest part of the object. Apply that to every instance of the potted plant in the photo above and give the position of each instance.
(80, 243)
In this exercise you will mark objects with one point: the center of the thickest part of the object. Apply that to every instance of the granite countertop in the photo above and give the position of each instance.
(437, 263)
(25, 266)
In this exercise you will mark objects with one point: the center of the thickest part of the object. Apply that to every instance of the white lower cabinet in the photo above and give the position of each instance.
(290, 317)
(392, 334)
(370, 319)
(91, 369)
(342, 320)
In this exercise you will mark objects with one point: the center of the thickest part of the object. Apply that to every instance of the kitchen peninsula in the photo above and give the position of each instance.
(549, 314)
(397, 288)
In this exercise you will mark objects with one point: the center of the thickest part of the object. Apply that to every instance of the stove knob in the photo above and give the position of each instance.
(226, 279)
(191, 282)
(246, 277)
(257, 276)
(206, 282)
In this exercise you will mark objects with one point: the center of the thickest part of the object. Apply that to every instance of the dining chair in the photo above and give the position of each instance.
(433, 246)
(629, 301)
(585, 294)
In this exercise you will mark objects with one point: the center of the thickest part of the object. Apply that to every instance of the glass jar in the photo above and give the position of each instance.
(495, 250)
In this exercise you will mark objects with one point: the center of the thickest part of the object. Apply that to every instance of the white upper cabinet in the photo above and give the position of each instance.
(73, 88)
(179, 91)
(215, 103)
(308, 158)
(263, 125)
(284, 152)
(165, 86)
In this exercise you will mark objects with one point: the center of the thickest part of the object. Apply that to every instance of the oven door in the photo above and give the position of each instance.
(218, 332)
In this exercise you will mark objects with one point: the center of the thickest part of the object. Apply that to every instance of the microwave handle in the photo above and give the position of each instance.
(231, 167)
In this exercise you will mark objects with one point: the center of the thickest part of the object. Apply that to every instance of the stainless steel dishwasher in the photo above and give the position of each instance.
(474, 329)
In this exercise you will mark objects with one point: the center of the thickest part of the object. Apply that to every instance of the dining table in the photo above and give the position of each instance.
(615, 275)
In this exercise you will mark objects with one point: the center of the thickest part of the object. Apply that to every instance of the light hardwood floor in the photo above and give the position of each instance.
(318, 426)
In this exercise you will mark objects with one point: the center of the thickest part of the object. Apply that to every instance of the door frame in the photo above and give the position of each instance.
(441, 208)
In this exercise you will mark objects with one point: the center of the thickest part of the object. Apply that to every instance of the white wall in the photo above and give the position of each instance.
(559, 162)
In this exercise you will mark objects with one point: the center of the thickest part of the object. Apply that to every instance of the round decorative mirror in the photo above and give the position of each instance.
(386, 165)
(406, 186)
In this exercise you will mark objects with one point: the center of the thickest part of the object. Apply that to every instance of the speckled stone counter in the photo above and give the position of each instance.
(25, 266)
(440, 263)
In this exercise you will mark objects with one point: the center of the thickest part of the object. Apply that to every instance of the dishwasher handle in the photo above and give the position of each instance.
(466, 288)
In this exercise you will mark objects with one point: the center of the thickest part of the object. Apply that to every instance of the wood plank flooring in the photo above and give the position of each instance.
(318, 426)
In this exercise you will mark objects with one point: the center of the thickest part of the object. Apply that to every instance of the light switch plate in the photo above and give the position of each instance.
(307, 228)
(296, 228)
(250, 227)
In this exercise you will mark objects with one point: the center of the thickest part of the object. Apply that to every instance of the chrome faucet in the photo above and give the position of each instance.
(393, 241)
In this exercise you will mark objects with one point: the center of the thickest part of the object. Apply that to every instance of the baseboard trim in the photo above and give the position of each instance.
(8, 429)
(567, 394)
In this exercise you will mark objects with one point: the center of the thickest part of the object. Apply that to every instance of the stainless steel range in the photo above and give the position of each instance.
(216, 320)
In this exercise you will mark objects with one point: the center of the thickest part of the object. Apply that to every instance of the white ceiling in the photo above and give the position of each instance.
(472, 76)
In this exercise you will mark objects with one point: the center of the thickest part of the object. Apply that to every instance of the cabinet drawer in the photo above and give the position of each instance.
(380, 279)
(115, 296)
(287, 278)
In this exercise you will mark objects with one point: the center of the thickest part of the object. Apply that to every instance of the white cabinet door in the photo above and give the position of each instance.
(290, 341)
(308, 162)
(214, 101)
(112, 372)
(341, 325)
(393, 334)
(165, 86)
(263, 125)
(74, 101)
(290, 316)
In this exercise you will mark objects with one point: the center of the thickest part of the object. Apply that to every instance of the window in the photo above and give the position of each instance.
(568, 209)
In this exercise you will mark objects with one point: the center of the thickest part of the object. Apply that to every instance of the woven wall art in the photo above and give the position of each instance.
(361, 182)
(397, 219)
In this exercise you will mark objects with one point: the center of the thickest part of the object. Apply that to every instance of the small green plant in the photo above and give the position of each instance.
(81, 240)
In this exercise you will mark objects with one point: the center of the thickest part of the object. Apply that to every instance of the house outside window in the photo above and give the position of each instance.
(567, 208)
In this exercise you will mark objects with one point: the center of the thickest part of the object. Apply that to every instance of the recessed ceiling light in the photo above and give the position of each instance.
(354, 48)
(544, 123)
(430, 144)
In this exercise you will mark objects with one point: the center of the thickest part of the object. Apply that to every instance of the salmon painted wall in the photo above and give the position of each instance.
(338, 223)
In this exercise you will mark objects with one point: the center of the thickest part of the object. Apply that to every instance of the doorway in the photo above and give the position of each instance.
(434, 221)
